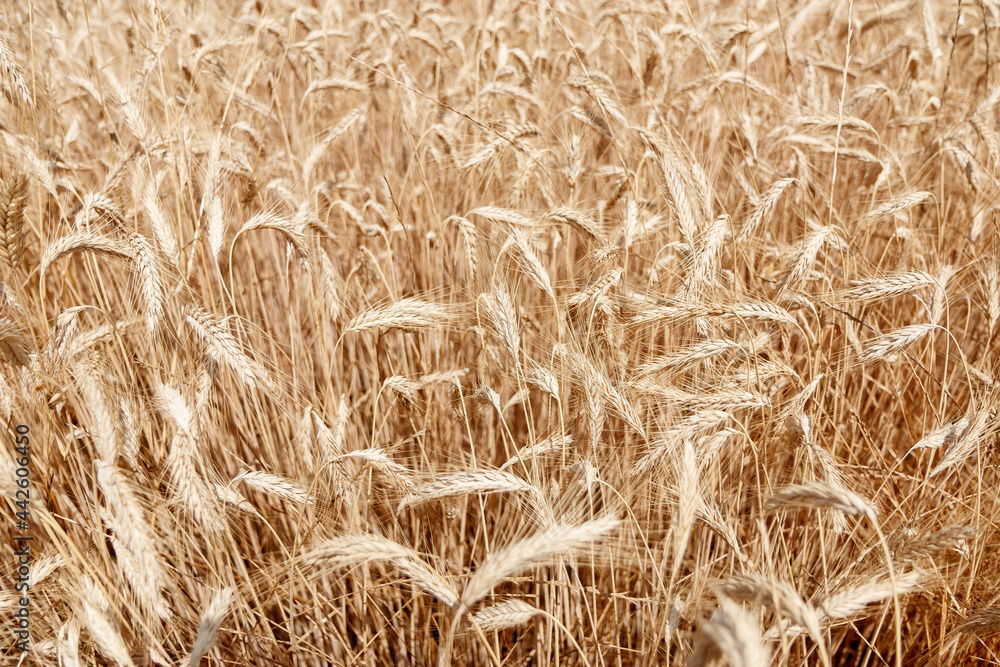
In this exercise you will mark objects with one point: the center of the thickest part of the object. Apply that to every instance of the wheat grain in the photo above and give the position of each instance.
(529, 261)
(149, 276)
(12, 70)
(287, 228)
(983, 622)
(69, 644)
(952, 537)
(551, 445)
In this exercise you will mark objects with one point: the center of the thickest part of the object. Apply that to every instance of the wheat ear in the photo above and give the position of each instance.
(211, 620)
(13, 197)
(354, 550)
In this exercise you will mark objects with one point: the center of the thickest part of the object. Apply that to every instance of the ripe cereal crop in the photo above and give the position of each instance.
(580, 333)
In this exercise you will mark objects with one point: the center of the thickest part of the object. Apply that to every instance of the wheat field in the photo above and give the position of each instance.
(501, 333)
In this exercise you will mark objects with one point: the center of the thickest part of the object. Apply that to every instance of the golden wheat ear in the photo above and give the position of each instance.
(13, 196)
